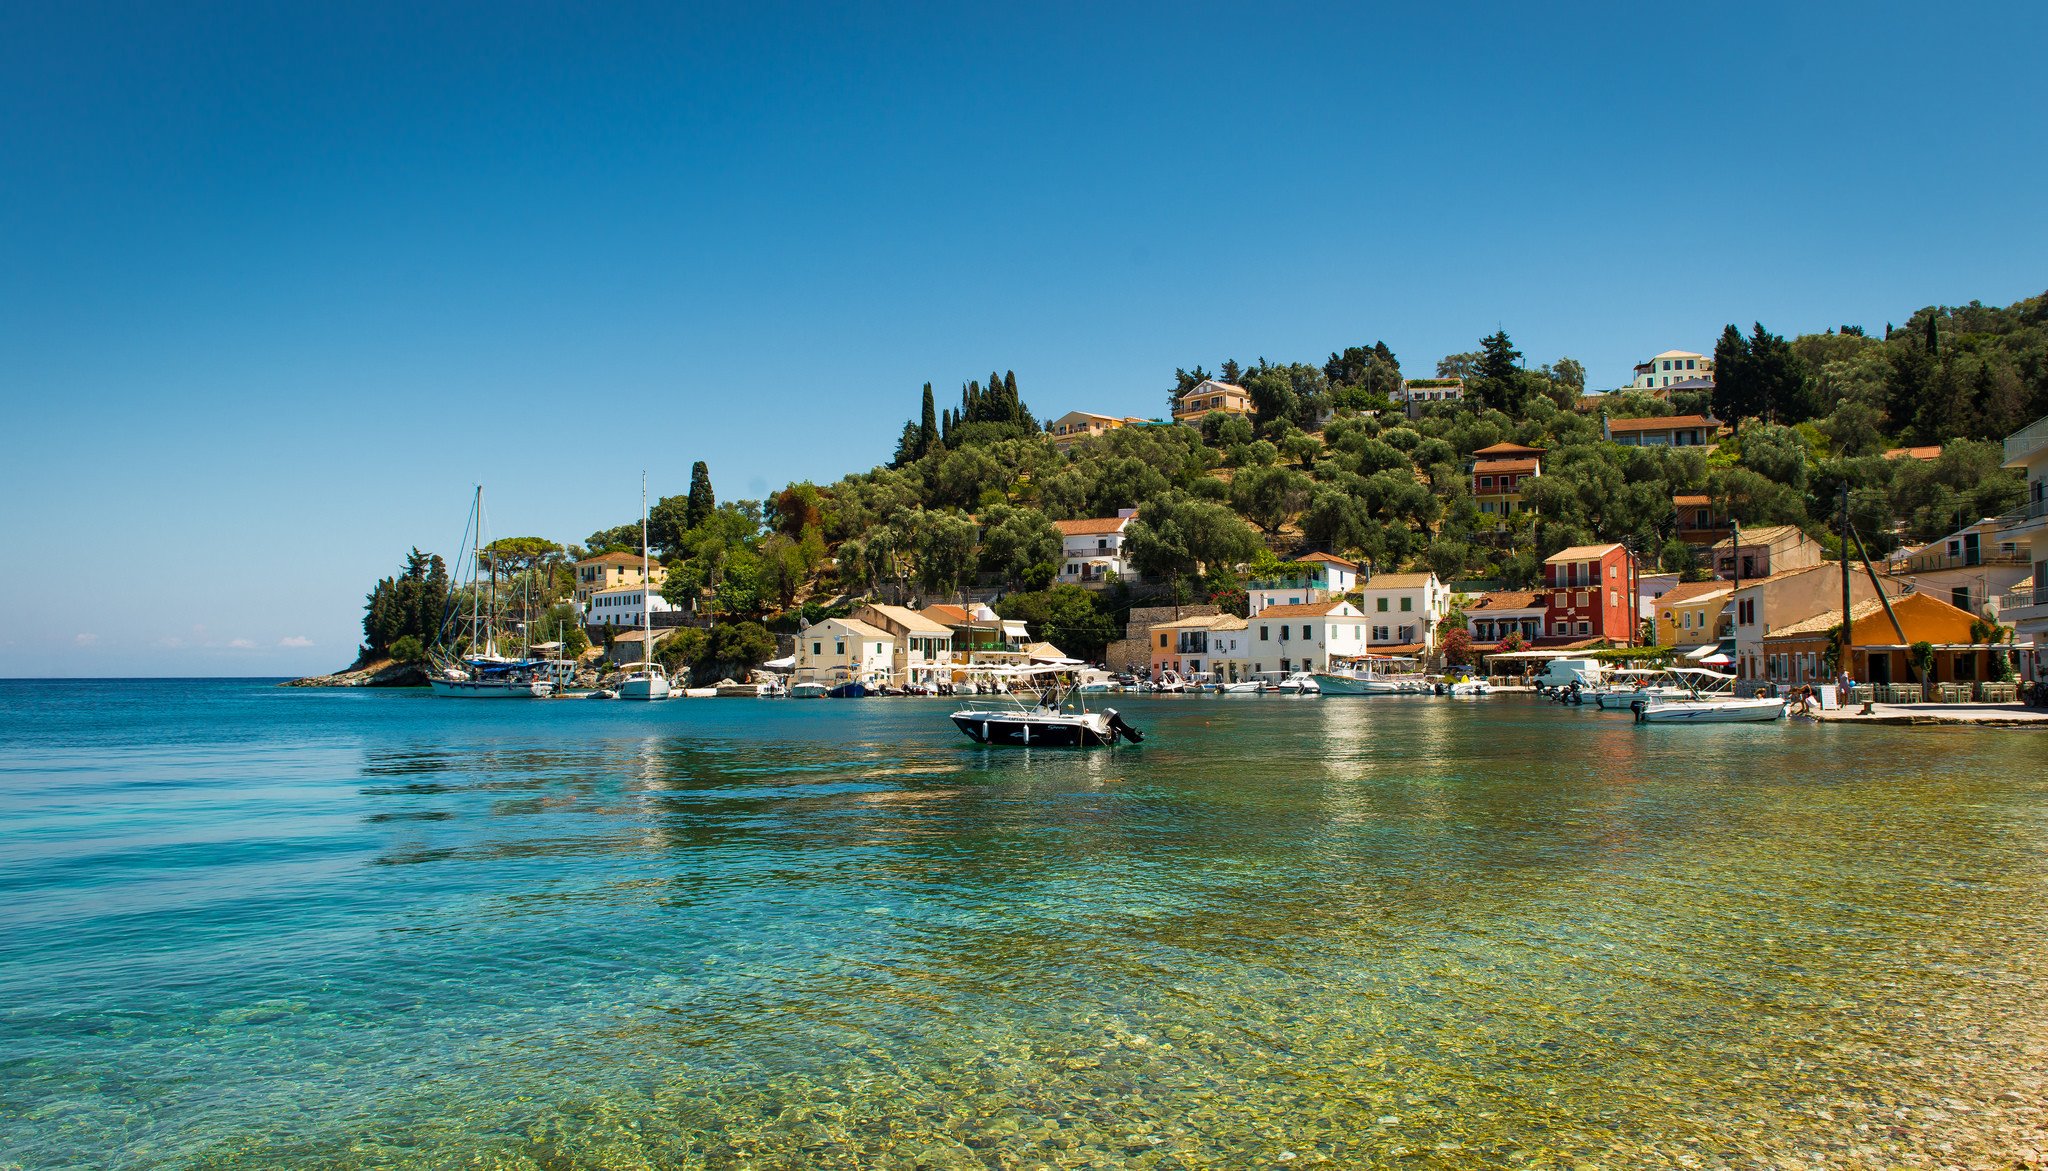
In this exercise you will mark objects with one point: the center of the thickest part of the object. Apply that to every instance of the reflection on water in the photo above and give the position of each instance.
(361, 930)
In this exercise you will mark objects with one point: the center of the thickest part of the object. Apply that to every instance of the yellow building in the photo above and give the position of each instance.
(1689, 614)
(1074, 426)
(1211, 397)
(610, 571)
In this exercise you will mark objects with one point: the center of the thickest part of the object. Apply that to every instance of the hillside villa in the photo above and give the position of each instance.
(1092, 551)
(1671, 367)
(1763, 552)
(1498, 474)
(622, 606)
(610, 571)
(1700, 523)
(1318, 577)
(1210, 397)
(1663, 431)
(1972, 568)
(1074, 426)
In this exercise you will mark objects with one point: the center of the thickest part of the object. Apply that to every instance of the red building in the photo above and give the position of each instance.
(1592, 595)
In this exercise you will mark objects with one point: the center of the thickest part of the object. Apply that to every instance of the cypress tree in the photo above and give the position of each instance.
(702, 502)
(1933, 336)
(928, 425)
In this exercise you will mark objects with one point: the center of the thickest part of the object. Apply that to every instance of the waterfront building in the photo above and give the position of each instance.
(1074, 426)
(1800, 653)
(921, 648)
(1403, 611)
(1972, 568)
(1133, 652)
(1663, 431)
(1092, 551)
(1493, 616)
(1318, 577)
(834, 650)
(1213, 643)
(1691, 614)
(1762, 552)
(1305, 637)
(977, 628)
(1499, 472)
(1591, 594)
(610, 571)
(2025, 606)
(622, 606)
(630, 648)
(1671, 367)
(1769, 604)
(1210, 397)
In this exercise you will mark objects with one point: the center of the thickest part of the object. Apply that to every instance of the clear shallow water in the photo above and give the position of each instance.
(250, 927)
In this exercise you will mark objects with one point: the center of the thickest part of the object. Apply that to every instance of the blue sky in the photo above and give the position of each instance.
(278, 284)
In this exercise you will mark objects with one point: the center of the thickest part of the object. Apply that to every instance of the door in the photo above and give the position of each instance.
(1881, 667)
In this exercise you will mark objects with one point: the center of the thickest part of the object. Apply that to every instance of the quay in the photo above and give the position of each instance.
(1973, 715)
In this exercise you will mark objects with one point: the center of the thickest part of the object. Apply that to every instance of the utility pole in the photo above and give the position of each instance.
(1845, 656)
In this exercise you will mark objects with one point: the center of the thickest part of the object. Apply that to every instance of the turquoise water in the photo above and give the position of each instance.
(243, 926)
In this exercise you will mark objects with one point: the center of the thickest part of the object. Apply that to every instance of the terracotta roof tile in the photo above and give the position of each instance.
(1099, 526)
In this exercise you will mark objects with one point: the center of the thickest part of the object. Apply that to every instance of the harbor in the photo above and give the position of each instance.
(1281, 931)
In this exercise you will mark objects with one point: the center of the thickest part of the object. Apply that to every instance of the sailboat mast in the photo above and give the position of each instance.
(646, 603)
(476, 539)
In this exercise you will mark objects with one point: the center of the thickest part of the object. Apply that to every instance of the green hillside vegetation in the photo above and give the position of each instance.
(1325, 463)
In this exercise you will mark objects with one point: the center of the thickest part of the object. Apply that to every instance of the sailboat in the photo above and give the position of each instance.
(645, 679)
(464, 662)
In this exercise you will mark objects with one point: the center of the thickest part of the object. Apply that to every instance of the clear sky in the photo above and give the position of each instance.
(280, 282)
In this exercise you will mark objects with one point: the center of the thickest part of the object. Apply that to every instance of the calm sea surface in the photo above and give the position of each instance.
(250, 927)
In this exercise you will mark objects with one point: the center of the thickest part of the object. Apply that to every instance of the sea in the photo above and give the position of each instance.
(245, 926)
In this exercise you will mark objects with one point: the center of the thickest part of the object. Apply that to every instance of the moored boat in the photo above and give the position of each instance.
(1711, 711)
(1047, 724)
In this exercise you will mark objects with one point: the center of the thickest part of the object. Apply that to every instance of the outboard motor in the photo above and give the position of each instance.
(1118, 726)
(1637, 706)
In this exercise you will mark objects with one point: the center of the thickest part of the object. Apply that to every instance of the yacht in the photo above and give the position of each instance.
(645, 679)
(1371, 675)
(464, 662)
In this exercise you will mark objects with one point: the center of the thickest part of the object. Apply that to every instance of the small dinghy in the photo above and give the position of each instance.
(1049, 723)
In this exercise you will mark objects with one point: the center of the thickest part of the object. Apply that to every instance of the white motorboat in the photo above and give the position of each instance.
(1048, 723)
(645, 680)
(1248, 687)
(1469, 687)
(1300, 683)
(1371, 675)
(1711, 711)
(807, 689)
(1631, 684)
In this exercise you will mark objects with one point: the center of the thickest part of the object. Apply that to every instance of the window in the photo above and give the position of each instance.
(1162, 641)
(1407, 634)
(1585, 628)
(1407, 605)
(1262, 634)
(1486, 481)
(839, 646)
(1382, 605)
(1283, 632)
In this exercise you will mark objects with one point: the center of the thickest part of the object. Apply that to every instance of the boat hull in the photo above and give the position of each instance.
(1043, 729)
(493, 688)
(807, 690)
(1728, 711)
(1346, 685)
(848, 691)
(644, 689)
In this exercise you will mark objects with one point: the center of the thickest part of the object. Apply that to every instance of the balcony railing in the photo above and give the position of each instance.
(2018, 598)
(2024, 442)
(2027, 513)
(1933, 562)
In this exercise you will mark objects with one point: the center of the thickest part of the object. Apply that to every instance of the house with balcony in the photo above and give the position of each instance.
(621, 607)
(1881, 652)
(1318, 577)
(1971, 569)
(1493, 616)
(1700, 523)
(1663, 431)
(1210, 397)
(921, 649)
(2025, 607)
(1092, 551)
(1209, 643)
(1671, 367)
(1074, 426)
(1499, 472)
(1592, 595)
(1306, 637)
(1403, 612)
(1762, 552)
(610, 571)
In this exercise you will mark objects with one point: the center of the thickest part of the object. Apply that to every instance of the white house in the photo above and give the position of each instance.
(835, 650)
(1317, 577)
(621, 607)
(1092, 550)
(1671, 368)
(1972, 569)
(1403, 611)
(1287, 638)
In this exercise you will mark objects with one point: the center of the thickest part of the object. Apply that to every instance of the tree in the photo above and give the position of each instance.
(414, 602)
(1268, 496)
(407, 648)
(1070, 617)
(1496, 379)
(1463, 365)
(701, 500)
(943, 546)
(928, 424)
(1176, 535)
(1016, 541)
(1455, 646)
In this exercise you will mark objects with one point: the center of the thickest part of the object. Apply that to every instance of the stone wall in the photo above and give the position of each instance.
(1133, 652)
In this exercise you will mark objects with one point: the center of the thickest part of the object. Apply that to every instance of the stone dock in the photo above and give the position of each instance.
(1973, 715)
